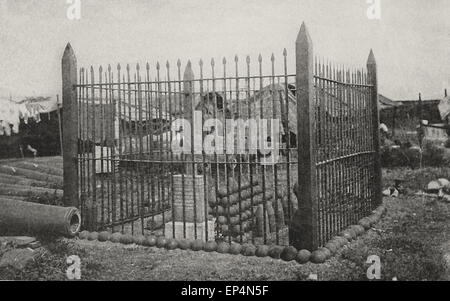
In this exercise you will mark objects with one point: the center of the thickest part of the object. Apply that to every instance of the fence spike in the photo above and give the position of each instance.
(236, 59)
(118, 66)
(109, 68)
(371, 60)
(284, 52)
(138, 67)
(260, 58)
(178, 63)
(157, 66)
(200, 63)
(128, 67)
(247, 59)
(224, 61)
(272, 57)
(167, 65)
(188, 73)
(212, 62)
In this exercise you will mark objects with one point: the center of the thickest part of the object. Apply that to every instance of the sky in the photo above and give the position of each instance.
(411, 40)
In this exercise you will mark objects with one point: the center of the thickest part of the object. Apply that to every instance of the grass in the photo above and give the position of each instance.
(409, 241)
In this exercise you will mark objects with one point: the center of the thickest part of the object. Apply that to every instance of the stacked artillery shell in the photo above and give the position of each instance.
(234, 211)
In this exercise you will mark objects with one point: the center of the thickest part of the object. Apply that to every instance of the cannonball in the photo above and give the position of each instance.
(303, 256)
(161, 241)
(248, 250)
(83, 234)
(347, 235)
(289, 253)
(352, 232)
(150, 241)
(237, 229)
(225, 229)
(339, 240)
(326, 251)
(234, 220)
(318, 256)
(223, 247)
(374, 218)
(115, 237)
(333, 247)
(220, 210)
(104, 236)
(222, 220)
(235, 249)
(93, 236)
(262, 251)
(275, 252)
(171, 244)
(184, 244)
(197, 245)
(358, 229)
(233, 211)
(365, 223)
(126, 239)
(139, 239)
(210, 246)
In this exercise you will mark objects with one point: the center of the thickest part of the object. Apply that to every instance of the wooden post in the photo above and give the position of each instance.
(70, 127)
(372, 76)
(58, 111)
(304, 224)
(189, 108)
(394, 117)
(420, 110)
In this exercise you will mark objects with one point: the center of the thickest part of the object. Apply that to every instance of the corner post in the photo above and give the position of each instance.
(70, 127)
(304, 224)
(189, 108)
(373, 80)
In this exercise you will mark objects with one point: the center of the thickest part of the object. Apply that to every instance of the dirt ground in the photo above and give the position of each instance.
(411, 241)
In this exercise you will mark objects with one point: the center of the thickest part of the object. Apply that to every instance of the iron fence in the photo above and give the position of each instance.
(215, 154)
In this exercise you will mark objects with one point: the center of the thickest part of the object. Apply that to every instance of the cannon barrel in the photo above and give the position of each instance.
(22, 218)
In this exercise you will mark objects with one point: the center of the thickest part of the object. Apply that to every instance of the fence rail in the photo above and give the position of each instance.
(147, 150)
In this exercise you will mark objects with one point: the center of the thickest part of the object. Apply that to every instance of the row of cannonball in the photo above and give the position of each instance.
(277, 252)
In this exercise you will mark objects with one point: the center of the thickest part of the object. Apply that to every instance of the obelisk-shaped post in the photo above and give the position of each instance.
(189, 108)
(303, 231)
(373, 80)
(70, 127)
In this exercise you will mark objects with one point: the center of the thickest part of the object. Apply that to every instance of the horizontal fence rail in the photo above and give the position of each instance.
(222, 150)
